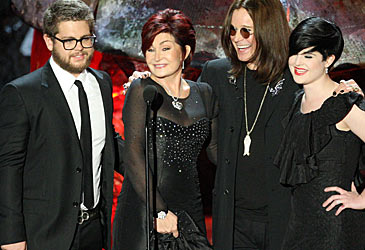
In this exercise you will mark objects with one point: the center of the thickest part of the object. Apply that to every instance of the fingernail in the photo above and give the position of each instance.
(342, 90)
(334, 93)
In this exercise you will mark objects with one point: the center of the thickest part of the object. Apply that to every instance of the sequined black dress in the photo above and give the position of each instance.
(314, 154)
(177, 138)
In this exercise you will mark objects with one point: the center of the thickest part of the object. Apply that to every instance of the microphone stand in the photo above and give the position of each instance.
(149, 94)
(148, 111)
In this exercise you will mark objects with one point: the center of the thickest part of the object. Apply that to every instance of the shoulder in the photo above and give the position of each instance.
(202, 86)
(137, 87)
(348, 100)
(215, 73)
(27, 80)
(25, 86)
(100, 74)
(138, 84)
(335, 109)
(343, 100)
(218, 64)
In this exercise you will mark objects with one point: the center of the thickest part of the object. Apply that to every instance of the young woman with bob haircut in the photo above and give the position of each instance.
(322, 146)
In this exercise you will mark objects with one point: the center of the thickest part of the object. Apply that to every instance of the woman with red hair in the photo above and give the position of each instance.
(182, 119)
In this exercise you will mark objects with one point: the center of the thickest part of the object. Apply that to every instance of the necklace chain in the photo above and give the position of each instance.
(247, 139)
(175, 100)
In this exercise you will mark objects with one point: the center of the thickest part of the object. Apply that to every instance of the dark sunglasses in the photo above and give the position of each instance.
(245, 33)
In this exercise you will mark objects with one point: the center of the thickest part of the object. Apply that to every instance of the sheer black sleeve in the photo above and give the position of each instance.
(211, 107)
(134, 113)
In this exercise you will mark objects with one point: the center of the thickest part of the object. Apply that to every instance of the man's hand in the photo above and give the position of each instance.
(15, 246)
(134, 76)
(347, 86)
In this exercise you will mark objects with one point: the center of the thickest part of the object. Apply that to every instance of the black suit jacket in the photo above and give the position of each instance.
(230, 122)
(40, 162)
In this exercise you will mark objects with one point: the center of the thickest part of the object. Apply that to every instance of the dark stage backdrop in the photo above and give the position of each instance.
(119, 22)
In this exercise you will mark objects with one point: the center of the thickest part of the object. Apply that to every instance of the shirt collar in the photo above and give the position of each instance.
(65, 78)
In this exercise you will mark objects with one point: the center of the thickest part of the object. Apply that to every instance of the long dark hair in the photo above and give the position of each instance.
(271, 30)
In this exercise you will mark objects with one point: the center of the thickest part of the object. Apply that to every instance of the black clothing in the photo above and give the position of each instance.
(250, 169)
(41, 162)
(179, 137)
(88, 235)
(230, 124)
(315, 155)
(250, 235)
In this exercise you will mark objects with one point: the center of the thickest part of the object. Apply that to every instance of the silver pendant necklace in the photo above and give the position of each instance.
(247, 140)
(175, 100)
(176, 104)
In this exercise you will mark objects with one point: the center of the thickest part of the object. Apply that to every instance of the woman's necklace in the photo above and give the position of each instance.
(247, 140)
(175, 100)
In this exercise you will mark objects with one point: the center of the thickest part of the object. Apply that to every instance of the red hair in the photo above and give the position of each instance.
(173, 22)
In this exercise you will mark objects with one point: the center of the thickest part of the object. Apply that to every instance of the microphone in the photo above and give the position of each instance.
(149, 94)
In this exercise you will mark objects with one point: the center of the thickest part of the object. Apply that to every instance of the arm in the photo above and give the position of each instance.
(134, 155)
(14, 132)
(213, 107)
(355, 121)
(212, 149)
(134, 113)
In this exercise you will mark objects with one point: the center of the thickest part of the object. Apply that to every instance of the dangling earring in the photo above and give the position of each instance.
(183, 65)
(326, 70)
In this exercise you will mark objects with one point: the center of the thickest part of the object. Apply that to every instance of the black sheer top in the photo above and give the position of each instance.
(176, 138)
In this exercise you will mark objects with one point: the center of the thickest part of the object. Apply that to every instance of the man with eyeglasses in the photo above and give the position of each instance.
(58, 147)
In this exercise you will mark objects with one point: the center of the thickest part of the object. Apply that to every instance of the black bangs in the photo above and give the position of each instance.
(324, 36)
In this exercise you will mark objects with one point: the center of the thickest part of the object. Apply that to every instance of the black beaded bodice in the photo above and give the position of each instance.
(177, 145)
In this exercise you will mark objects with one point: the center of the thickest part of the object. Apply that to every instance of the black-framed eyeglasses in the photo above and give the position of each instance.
(71, 43)
(245, 33)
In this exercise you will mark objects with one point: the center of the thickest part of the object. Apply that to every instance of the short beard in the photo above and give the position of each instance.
(68, 66)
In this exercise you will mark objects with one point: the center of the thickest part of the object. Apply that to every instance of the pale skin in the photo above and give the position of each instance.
(77, 58)
(164, 59)
(318, 87)
(15, 246)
